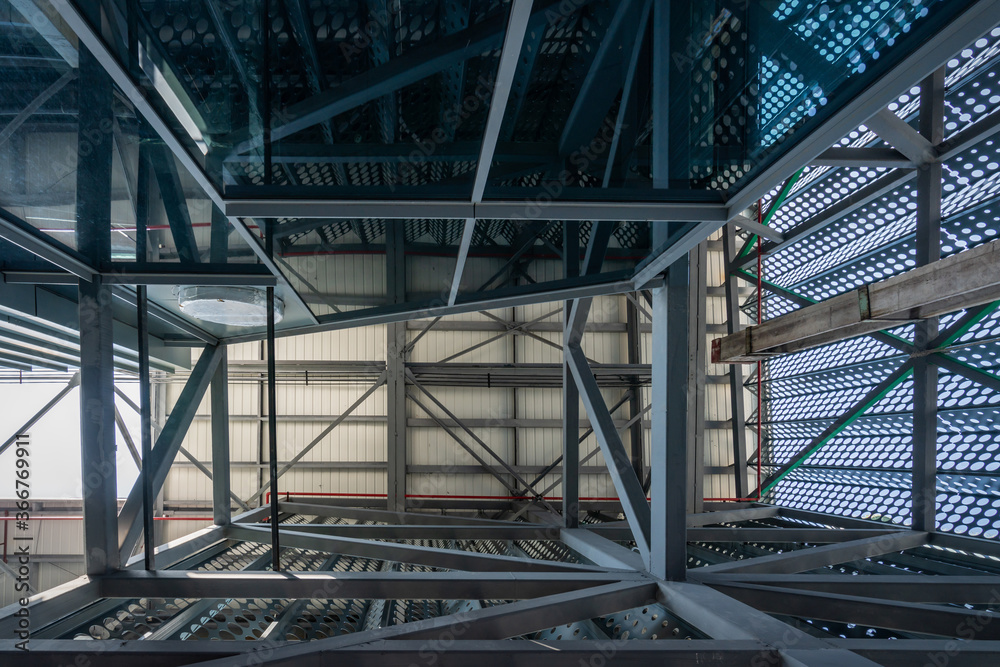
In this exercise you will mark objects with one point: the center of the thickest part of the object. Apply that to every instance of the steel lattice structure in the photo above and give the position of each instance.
(377, 162)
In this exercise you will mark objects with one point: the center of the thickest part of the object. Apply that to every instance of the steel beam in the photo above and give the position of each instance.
(729, 516)
(403, 553)
(724, 618)
(897, 133)
(964, 280)
(395, 376)
(221, 490)
(961, 590)
(570, 392)
(97, 414)
(383, 516)
(510, 55)
(865, 156)
(619, 464)
(947, 621)
(928, 250)
(694, 417)
(597, 211)
(498, 622)
(669, 473)
(786, 534)
(558, 290)
(49, 606)
(17, 121)
(22, 234)
(378, 585)
(600, 550)
(815, 558)
(167, 445)
(272, 420)
(404, 653)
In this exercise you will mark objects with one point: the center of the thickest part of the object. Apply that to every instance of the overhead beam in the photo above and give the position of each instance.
(964, 280)
(404, 553)
(401, 652)
(897, 133)
(558, 290)
(510, 55)
(394, 75)
(946, 621)
(22, 234)
(864, 156)
(724, 618)
(784, 535)
(378, 585)
(386, 209)
(769, 233)
(813, 558)
(977, 589)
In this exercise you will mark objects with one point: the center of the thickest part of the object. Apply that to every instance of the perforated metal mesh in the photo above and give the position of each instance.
(863, 469)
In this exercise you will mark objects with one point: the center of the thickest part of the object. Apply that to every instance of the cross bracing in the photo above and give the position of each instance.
(546, 183)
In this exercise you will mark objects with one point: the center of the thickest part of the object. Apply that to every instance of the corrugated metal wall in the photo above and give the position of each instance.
(304, 410)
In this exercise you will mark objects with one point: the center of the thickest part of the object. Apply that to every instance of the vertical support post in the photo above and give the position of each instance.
(220, 442)
(925, 375)
(272, 430)
(97, 407)
(737, 409)
(142, 203)
(145, 433)
(697, 300)
(634, 345)
(571, 394)
(395, 267)
(219, 248)
(669, 450)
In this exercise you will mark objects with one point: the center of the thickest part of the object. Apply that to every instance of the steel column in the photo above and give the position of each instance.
(737, 405)
(571, 395)
(97, 404)
(669, 448)
(145, 428)
(221, 490)
(925, 373)
(395, 265)
(697, 361)
(272, 430)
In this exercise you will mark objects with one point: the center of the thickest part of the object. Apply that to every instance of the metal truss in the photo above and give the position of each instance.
(725, 605)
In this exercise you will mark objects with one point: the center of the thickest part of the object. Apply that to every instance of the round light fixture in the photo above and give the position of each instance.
(232, 306)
